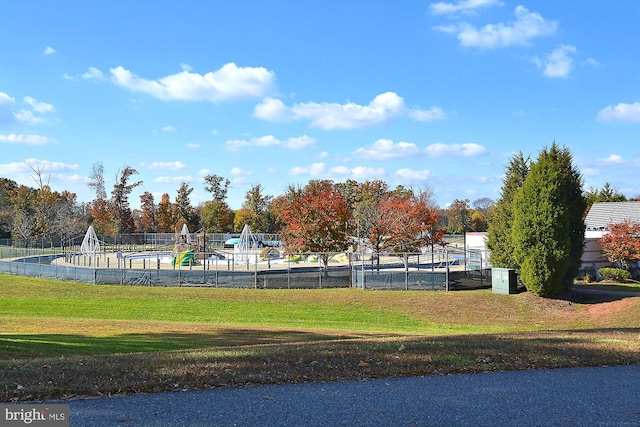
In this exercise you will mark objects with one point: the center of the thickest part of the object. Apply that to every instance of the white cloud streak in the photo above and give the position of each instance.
(5, 99)
(38, 106)
(48, 167)
(613, 160)
(384, 149)
(557, 64)
(321, 170)
(409, 176)
(25, 139)
(622, 112)
(174, 166)
(462, 6)
(172, 179)
(229, 82)
(93, 74)
(345, 116)
(526, 26)
(455, 150)
(294, 143)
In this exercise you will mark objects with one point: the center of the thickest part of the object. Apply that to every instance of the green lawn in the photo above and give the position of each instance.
(100, 339)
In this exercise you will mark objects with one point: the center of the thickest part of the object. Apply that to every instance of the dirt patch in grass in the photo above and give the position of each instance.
(612, 312)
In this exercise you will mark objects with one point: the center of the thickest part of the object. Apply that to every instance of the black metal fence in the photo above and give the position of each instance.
(441, 270)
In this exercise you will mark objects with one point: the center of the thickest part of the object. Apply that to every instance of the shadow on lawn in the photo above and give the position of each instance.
(38, 345)
(289, 361)
(582, 296)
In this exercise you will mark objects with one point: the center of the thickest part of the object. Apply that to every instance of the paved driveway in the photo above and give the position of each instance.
(604, 396)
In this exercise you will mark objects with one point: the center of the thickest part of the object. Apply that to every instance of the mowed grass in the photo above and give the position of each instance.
(96, 340)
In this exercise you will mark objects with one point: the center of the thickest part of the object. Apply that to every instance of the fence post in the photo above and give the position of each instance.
(446, 275)
(406, 272)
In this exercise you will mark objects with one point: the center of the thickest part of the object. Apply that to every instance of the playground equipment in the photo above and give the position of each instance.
(185, 258)
(90, 244)
(245, 249)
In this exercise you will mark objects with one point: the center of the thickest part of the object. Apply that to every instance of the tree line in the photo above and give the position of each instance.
(28, 212)
(536, 226)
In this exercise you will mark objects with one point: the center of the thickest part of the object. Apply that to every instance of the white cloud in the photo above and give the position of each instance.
(204, 172)
(236, 144)
(613, 160)
(409, 175)
(345, 116)
(273, 110)
(590, 171)
(592, 62)
(455, 150)
(527, 25)
(558, 63)
(236, 171)
(620, 113)
(24, 169)
(229, 82)
(272, 171)
(38, 106)
(174, 166)
(5, 99)
(337, 172)
(26, 116)
(25, 139)
(362, 172)
(266, 141)
(431, 115)
(294, 143)
(92, 74)
(49, 50)
(168, 128)
(172, 179)
(192, 145)
(384, 149)
(462, 6)
(298, 143)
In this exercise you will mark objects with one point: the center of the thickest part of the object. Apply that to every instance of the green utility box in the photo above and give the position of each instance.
(504, 281)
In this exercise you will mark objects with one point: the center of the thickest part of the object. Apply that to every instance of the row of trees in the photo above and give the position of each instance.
(536, 226)
(27, 212)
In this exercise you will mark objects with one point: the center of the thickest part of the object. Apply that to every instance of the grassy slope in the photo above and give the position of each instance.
(205, 329)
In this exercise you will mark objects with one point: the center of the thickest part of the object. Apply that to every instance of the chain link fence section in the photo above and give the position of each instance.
(440, 270)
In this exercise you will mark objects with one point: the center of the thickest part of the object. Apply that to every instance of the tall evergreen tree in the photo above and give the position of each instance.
(548, 226)
(500, 218)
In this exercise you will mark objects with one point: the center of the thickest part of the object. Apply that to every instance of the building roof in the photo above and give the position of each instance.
(602, 214)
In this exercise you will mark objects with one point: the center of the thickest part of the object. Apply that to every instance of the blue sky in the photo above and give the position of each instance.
(418, 93)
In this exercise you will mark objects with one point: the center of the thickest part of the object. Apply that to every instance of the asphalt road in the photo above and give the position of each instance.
(603, 396)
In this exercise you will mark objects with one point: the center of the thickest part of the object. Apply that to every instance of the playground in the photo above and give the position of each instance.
(190, 260)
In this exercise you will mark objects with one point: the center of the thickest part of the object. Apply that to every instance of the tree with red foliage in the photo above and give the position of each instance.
(405, 223)
(315, 219)
(622, 243)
